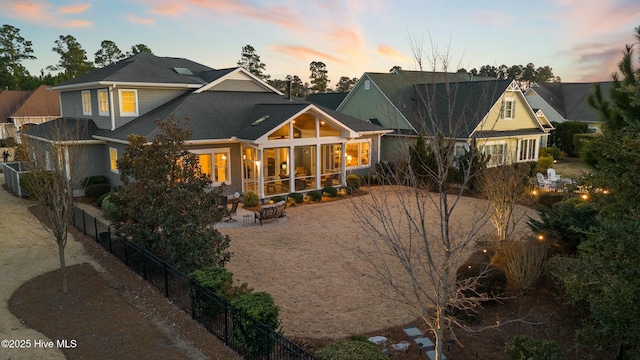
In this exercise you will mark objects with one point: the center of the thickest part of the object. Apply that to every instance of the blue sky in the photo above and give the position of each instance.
(580, 42)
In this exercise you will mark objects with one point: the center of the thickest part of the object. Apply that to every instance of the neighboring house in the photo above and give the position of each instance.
(328, 100)
(562, 102)
(248, 136)
(20, 107)
(494, 112)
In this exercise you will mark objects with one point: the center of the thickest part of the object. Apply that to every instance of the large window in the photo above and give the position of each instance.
(358, 154)
(216, 164)
(497, 152)
(86, 103)
(128, 102)
(304, 167)
(527, 150)
(103, 102)
(250, 169)
(275, 168)
(330, 158)
(113, 158)
(508, 110)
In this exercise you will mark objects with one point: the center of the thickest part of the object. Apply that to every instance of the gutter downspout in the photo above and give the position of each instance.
(111, 111)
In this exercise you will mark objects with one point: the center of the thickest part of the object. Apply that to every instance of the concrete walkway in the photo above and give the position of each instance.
(26, 251)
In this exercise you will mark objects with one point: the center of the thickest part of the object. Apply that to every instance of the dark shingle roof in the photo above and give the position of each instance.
(146, 68)
(64, 129)
(508, 133)
(570, 99)
(328, 100)
(223, 115)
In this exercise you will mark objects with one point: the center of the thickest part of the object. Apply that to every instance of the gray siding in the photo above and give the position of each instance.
(72, 104)
(88, 162)
(148, 99)
(114, 178)
(239, 85)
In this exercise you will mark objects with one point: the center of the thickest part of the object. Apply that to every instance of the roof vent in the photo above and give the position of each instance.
(182, 71)
(265, 117)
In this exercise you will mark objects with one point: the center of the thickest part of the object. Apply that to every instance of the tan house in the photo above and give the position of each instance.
(493, 112)
(19, 108)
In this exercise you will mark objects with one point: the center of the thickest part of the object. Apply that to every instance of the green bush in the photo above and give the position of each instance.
(33, 181)
(93, 180)
(552, 151)
(370, 180)
(523, 347)
(314, 195)
(97, 190)
(276, 199)
(354, 181)
(8, 142)
(549, 198)
(488, 278)
(101, 198)
(298, 197)
(345, 191)
(261, 307)
(250, 199)
(544, 162)
(330, 191)
(220, 282)
(562, 136)
(351, 349)
(108, 208)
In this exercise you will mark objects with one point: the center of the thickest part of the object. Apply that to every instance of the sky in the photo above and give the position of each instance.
(580, 40)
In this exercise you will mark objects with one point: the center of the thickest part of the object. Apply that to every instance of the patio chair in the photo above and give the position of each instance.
(543, 182)
(552, 176)
(230, 213)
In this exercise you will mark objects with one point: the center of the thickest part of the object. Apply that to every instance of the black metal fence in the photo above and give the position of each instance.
(236, 329)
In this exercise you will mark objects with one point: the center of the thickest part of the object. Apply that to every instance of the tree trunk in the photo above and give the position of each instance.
(63, 269)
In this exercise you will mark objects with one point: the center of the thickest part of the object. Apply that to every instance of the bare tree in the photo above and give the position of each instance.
(54, 149)
(419, 223)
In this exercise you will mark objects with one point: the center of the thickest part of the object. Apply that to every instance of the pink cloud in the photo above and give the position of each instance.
(598, 17)
(74, 9)
(77, 23)
(172, 9)
(390, 53)
(138, 20)
(304, 52)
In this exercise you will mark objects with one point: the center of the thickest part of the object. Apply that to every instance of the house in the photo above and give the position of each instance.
(20, 108)
(248, 135)
(455, 105)
(328, 100)
(562, 102)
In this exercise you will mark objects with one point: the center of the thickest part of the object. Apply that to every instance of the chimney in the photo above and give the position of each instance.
(289, 80)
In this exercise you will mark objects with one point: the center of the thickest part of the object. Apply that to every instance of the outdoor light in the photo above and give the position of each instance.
(540, 237)
(584, 196)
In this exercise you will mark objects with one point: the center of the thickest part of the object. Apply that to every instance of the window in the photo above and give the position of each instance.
(358, 154)
(496, 152)
(216, 164)
(592, 130)
(86, 103)
(527, 150)
(367, 84)
(103, 102)
(508, 109)
(128, 102)
(113, 158)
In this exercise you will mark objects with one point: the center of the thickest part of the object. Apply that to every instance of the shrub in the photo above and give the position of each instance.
(96, 190)
(219, 281)
(523, 261)
(345, 191)
(108, 208)
(33, 181)
(523, 347)
(101, 198)
(370, 180)
(259, 306)
(562, 137)
(298, 197)
(488, 279)
(552, 151)
(93, 180)
(250, 199)
(549, 198)
(351, 349)
(544, 162)
(8, 142)
(330, 191)
(354, 181)
(314, 195)
(276, 199)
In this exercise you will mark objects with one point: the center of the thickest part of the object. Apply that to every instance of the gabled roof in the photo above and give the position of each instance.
(570, 99)
(455, 109)
(146, 68)
(39, 102)
(223, 115)
(328, 100)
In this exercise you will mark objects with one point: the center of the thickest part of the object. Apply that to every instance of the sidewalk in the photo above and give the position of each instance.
(26, 251)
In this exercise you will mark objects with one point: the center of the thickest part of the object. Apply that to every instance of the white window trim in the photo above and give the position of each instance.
(135, 92)
(116, 170)
(213, 152)
(106, 95)
(504, 152)
(86, 103)
(360, 166)
(526, 155)
(503, 111)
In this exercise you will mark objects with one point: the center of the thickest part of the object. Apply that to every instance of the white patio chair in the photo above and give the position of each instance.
(552, 176)
(543, 182)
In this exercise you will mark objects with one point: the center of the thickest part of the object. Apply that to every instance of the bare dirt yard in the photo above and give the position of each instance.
(307, 262)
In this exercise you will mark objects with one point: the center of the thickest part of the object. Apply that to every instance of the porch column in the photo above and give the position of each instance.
(260, 175)
(343, 164)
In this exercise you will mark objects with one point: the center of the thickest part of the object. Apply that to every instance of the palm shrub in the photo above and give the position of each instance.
(247, 332)
(351, 349)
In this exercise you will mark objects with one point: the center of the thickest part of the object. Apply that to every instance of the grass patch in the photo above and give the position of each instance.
(571, 168)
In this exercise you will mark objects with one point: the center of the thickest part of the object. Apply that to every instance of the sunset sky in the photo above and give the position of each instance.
(579, 42)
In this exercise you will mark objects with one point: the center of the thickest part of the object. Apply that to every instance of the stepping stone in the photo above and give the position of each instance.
(378, 340)
(425, 343)
(413, 332)
(431, 354)
(401, 346)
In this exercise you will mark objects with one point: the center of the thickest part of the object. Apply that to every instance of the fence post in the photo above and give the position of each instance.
(226, 321)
